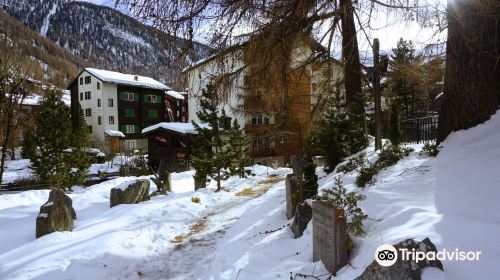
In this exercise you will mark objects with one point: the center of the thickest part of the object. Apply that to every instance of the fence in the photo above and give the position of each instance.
(419, 130)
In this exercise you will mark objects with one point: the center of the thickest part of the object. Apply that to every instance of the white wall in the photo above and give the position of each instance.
(106, 91)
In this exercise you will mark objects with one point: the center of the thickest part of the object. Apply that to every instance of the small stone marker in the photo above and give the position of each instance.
(329, 235)
(57, 214)
(303, 215)
(129, 192)
(291, 195)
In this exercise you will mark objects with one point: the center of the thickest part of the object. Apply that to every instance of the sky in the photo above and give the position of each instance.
(387, 28)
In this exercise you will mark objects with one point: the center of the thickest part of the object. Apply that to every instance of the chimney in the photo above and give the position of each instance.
(136, 78)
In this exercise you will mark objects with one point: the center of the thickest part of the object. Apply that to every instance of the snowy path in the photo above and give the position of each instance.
(195, 251)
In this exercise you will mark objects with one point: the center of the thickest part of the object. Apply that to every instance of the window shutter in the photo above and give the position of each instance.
(122, 96)
(123, 128)
(137, 128)
(145, 98)
(136, 97)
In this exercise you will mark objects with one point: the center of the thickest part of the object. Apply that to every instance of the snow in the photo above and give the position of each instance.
(114, 133)
(439, 96)
(175, 94)
(452, 199)
(184, 128)
(124, 186)
(126, 79)
(46, 21)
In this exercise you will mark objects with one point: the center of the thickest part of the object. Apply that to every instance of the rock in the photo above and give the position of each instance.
(403, 269)
(57, 214)
(130, 192)
(303, 214)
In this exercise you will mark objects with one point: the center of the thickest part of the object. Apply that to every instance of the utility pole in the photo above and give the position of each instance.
(376, 93)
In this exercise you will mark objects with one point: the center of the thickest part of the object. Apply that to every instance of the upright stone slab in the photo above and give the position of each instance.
(129, 192)
(329, 235)
(291, 195)
(57, 214)
(303, 215)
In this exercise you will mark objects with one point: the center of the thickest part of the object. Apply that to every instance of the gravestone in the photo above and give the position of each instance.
(291, 195)
(57, 214)
(329, 235)
(303, 215)
(129, 192)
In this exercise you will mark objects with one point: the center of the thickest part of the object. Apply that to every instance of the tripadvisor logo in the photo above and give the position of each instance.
(387, 255)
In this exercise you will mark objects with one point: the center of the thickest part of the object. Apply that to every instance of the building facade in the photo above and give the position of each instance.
(261, 111)
(113, 101)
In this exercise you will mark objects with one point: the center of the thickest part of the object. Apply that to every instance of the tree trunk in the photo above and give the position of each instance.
(350, 53)
(472, 77)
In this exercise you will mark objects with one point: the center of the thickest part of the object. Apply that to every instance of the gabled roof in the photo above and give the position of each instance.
(126, 79)
(183, 128)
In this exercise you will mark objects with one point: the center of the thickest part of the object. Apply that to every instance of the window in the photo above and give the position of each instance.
(149, 98)
(129, 113)
(87, 95)
(111, 120)
(81, 80)
(81, 95)
(99, 102)
(129, 128)
(90, 128)
(261, 118)
(128, 96)
(98, 85)
(110, 102)
(87, 80)
(262, 143)
(153, 114)
(99, 120)
(88, 112)
(130, 144)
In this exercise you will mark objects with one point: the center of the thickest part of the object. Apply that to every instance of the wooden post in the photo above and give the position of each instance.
(376, 94)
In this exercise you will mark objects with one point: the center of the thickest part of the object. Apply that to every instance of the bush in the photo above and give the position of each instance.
(339, 197)
(389, 155)
(196, 199)
(352, 164)
(430, 149)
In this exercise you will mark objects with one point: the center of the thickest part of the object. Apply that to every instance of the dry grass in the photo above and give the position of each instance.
(178, 239)
(246, 192)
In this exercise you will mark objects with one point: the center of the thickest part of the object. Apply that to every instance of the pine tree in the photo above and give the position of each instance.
(209, 154)
(239, 150)
(310, 184)
(79, 158)
(53, 135)
(394, 128)
(29, 145)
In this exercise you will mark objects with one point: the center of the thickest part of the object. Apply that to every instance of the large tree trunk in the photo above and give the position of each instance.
(472, 77)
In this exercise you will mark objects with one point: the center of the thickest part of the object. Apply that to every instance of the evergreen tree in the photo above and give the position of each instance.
(29, 145)
(239, 150)
(310, 184)
(209, 154)
(394, 128)
(53, 136)
(79, 158)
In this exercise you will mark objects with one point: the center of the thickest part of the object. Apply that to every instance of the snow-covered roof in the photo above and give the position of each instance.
(126, 79)
(36, 99)
(184, 128)
(175, 94)
(114, 133)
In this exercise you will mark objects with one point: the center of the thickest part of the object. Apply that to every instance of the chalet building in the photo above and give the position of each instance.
(116, 104)
(258, 110)
(176, 106)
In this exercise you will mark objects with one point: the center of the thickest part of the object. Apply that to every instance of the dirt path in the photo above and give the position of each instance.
(195, 250)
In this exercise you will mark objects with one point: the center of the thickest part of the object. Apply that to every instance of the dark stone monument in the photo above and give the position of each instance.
(57, 214)
(407, 269)
(329, 235)
(129, 192)
(303, 214)
(291, 195)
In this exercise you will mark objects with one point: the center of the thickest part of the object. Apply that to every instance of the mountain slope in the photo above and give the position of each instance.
(44, 60)
(107, 38)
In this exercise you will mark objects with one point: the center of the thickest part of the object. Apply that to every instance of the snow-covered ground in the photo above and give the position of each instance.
(242, 232)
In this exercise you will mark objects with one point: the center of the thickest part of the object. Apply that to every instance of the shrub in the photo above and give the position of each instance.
(430, 149)
(389, 155)
(339, 197)
(352, 164)
(196, 199)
